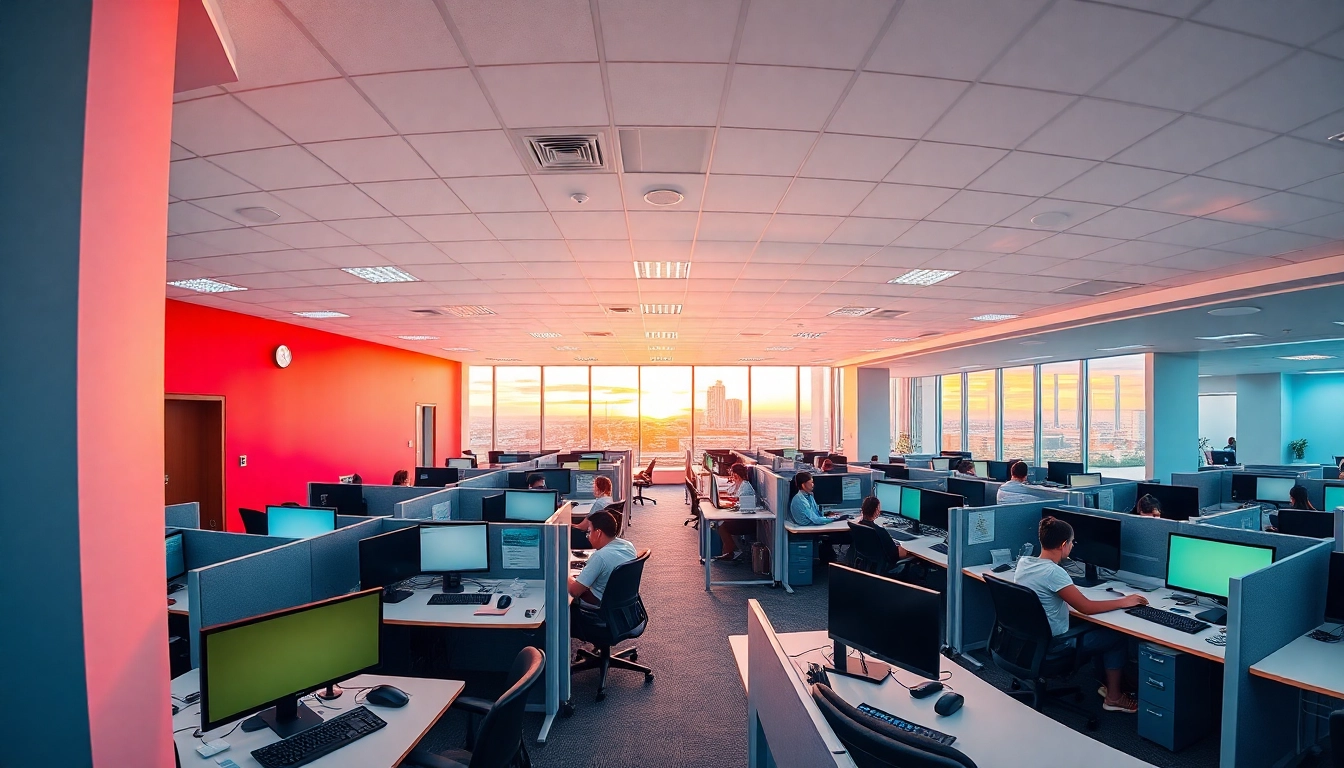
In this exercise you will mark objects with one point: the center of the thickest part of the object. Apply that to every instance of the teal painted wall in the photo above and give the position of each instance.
(1317, 413)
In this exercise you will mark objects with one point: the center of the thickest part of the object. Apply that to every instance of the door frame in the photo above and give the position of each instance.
(223, 457)
(420, 433)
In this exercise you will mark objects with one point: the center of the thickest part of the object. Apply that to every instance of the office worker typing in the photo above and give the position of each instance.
(601, 500)
(965, 468)
(536, 482)
(1297, 496)
(869, 511)
(1047, 578)
(587, 587)
(741, 493)
(804, 508)
(1017, 490)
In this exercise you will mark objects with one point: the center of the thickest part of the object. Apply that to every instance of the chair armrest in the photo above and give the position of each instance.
(473, 705)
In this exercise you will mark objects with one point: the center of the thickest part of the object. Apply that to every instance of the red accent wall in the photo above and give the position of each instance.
(343, 406)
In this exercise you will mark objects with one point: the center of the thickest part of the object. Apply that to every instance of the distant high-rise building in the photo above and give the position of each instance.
(732, 412)
(716, 415)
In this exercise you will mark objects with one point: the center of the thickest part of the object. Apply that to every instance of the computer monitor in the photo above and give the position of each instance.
(910, 506)
(530, 506)
(435, 477)
(888, 496)
(1096, 542)
(1207, 566)
(1334, 591)
(1059, 471)
(347, 499)
(935, 507)
(518, 479)
(1307, 522)
(940, 464)
(462, 463)
(299, 522)
(1085, 480)
(559, 480)
(1178, 502)
(1274, 489)
(1243, 487)
(998, 470)
(389, 558)
(790, 453)
(896, 472)
(507, 458)
(1334, 497)
(972, 491)
(828, 490)
(864, 611)
(1223, 458)
(266, 663)
(453, 549)
(492, 508)
(981, 468)
(177, 561)
(589, 465)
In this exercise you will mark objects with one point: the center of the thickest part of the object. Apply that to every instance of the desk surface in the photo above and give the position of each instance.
(430, 698)
(715, 515)
(837, 526)
(1307, 664)
(1133, 625)
(990, 726)
(182, 606)
(417, 610)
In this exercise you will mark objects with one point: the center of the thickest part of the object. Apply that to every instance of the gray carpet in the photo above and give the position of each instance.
(694, 712)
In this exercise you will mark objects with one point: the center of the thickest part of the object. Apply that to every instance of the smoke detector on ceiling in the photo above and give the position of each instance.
(663, 197)
(259, 215)
(1050, 219)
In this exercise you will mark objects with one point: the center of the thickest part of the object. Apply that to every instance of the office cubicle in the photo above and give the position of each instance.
(186, 515)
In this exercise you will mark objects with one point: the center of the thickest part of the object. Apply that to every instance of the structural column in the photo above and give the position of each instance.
(1172, 421)
(867, 413)
(1263, 415)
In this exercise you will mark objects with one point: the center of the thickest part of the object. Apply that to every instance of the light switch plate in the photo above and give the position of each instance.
(242, 461)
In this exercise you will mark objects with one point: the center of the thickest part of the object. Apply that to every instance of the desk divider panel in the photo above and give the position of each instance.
(938, 476)
(773, 491)
(1210, 485)
(1267, 610)
(205, 548)
(970, 614)
(186, 515)
(422, 507)
(492, 478)
(249, 586)
(467, 503)
(555, 566)
(335, 558)
(1247, 518)
(381, 500)
(496, 544)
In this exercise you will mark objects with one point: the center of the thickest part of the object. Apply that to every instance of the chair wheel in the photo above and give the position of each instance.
(648, 678)
(1016, 686)
(634, 655)
(566, 709)
(601, 696)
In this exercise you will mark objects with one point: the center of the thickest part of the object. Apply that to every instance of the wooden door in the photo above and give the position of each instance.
(193, 455)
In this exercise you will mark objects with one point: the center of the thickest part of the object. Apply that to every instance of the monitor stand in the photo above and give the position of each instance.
(330, 693)
(289, 716)
(866, 668)
(1090, 578)
(1216, 615)
(452, 583)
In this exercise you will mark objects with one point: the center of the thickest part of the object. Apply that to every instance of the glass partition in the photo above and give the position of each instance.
(518, 408)
(982, 414)
(664, 413)
(721, 408)
(615, 395)
(951, 418)
(814, 408)
(480, 409)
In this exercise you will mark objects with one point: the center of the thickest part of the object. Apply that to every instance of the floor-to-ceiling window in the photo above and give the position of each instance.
(616, 408)
(721, 408)
(951, 419)
(1061, 423)
(900, 415)
(480, 409)
(774, 406)
(1019, 413)
(565, 406)
(982, 414)
(664, 413)
(1116, 429)
(518, 408)
(814, 408)
(924, 415)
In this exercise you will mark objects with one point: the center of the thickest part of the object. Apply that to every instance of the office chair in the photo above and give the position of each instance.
(621, 616)
(1020, 644)
(1337, 738)
(498, 742)
(644, 480)
(694, 495)
(253, 521)
(875, 744)
(870, 554)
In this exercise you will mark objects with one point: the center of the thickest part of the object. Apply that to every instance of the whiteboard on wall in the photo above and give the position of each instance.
(1217, 418)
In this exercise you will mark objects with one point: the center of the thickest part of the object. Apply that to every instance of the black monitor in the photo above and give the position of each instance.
(453, 549)
(956, 454)
(828, 490)
(1307, 522)
(347, 499)
(973, 491)
(530, 506)
(896, 472)
(1096, 542)
(894, 622)
(518, 479)
(466, 462)
(299, 522)
(1334, 591)
(940, 463)
(1207, 566)
(837, 458)
(1059, 471)
(1223, 458)
(177, 560)
(435, 477)
(508, 458)
(559, 480)
(935, 507)
(1243, 487)
(269, 662)
(492, 508)
(1178, 502)
(389, 558)
(998, 471)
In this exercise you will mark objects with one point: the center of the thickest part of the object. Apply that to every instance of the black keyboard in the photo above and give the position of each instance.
(303, 748)
(906, 725)
(1168, 619)
(901, 535)
(460, 598)
(940, 548)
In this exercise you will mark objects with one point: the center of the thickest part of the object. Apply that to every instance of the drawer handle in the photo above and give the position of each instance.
(1154, 714)
(1156, 659)
(1158, 684)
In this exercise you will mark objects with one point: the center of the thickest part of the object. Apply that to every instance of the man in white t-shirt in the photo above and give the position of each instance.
(1016, 490)
(1047, 578)
(591, 582)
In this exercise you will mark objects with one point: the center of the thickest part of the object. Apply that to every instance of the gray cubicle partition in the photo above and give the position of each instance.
(970, 614)
(381, 499)
(205, 548)
(186, 515)
(493, 478)
(436, 505)
(1210, 485)
(1246, 518)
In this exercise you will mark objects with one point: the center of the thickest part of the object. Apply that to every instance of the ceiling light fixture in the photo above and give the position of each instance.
(992, 318)
(660, 309)
(1230, 336)
(1233, 311)
(674, 270)
(750, 359)
(418, 338)
(778, 349)
(660, 359)
(1308, 357)
(1029, 359)
(1124, 347)
(923, 277)
(259, 215)
(1291, 343)
(658, 348)
(660, 334)
(566, 349)
(468, 310)
(1339, 137)
(321, 314)
(970, 367)
(381, 274)
(851, 311)
(585, 359)
(458, 349)
(663, 197)
(897, 340)
(1331, 370)
(503, 359)
(1050, 218)
(809, 334)
(1032, 343)
(544, 335)
(871, 350)
(206, 285)
(579, 197)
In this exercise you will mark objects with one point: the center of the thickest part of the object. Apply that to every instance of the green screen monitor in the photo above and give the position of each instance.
(981, 469)
(268, 662)
(888, 496)
(589, 465)
(910, 497)
(1206, 566)
(1334, 497)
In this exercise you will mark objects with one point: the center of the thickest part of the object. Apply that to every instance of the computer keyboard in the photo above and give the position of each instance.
(303, 748)
(901, 535)
(906, 725)
(1168, 619)
(940, 548)
(460, 598)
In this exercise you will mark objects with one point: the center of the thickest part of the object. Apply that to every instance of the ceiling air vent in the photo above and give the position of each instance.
(1095, 288)
(889, 314)
(426, 312)
(750, 333)
(598, 334)
(620, 310)
(563, 151)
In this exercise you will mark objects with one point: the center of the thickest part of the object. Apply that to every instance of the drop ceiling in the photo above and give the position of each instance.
(839, 147)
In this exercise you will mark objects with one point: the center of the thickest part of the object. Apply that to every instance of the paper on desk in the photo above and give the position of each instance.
(980, 525)
(583, 483)
(520, 548)
(850, 489)
(442, 511)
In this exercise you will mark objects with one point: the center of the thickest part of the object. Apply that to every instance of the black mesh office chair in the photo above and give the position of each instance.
(694, 495)
(872, 556)
(643, 480)
(1337, 738)
(621, 616)
(498, 742)
(875, 744)
(253, 521)
(1020, 644)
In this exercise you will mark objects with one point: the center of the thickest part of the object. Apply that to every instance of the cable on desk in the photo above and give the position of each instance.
(1323, 636)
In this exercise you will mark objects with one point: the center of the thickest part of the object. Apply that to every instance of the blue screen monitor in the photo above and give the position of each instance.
(530, 506)
(177, 565)
(300, 522)
(888, 496)
(1334, 497)
(1274, 489)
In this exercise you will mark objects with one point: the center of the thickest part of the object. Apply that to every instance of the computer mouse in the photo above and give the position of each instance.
(925, 690)
(948, 703)
(387, 696)
(504, 601)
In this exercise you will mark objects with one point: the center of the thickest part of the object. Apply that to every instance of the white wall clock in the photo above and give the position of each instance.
(283, 357)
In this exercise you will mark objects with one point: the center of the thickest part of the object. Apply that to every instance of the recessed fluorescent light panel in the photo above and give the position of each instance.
(1230, 336)
(206, 285)
(566, 349)
(660, 334)
(808, 335)
(418, 338)
(750, 359)
(468, 310)
(897, 340)
(1124, 347)
(871, 350)
(458, 349)
(1332, 370)
(1029, 359)
(321, 315)
(970, 367)
(992, 318)
(503, 359)
(1233, 311)
(660, 359)
(660, 309)
(923, 277)
(1290, 343)
(778, 349)
(657, 348)
(585, 359)
(1339, 137)
(544, 335)
(851, 311)
(381, 274)
(1308, 357)
(673, 270)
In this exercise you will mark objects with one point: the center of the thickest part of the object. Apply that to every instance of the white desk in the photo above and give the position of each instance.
(991, 728)
(416, 610)
(1307, 664)
(921, 547)
(383, 748)
(181, 605)
(1133, 625)
(709, 514)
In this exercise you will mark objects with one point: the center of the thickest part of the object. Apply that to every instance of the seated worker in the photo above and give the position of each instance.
(803, 510)
(870, 509)
(1298, 496)
(1016, 490)
(601, 500)
(1148, 506)
(1057, 592)
(1231, 445)
(875, 460)
(965, 468)
(827, 465)
(587, 587)
(740, 492)
(401, 477)
(536, 482)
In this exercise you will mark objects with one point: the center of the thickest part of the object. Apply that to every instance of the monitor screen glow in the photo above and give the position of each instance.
(888, 497)
(176, 559)
(528, 506)
(1334, 497)
(454, 548)
(1206, 566)
(1274, 488)
(910, 502)
(299, 522)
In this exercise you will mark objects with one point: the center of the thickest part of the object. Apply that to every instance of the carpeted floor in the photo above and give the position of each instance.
(694, 712)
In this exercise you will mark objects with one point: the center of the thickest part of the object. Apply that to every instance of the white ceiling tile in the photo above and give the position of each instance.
(1204, 260)
(382, 159)
(449, 227)
(790, 228)
(666, 94)
(225, 266)
(1190, 144)
(1325, 226)
(1076, 213)
(841, 255)
(995, 116)
(903, 201)
(825, 196)
(241, 240)
(185, 270)
(662, 225)
(1069, 246)
(944, 165)
(306, 234)
(419, 197)
(861, 231)
(1020, 264)
(521, 31)
(476, 153)
(1136, 252)
(1144, 274)
(278, 168)
(532, 251)
(1074, 45)
(661, 250)
(1097, 129)
(954, 39)
(894, 105)
(591, 225)
(222, 124)
(411, 254)
(366, 37)
(386, 229)
(690, 186)
(430, 101)
(521, 226)
(806, 34)
(967, 207)
(190, 179)
(751, 194)
(267, 48)
(1028, 173)
(1114, 184)
(782, 97)
(1197, 196)
(549, 95)
(1282, 163)
(1295, 92)
(1003, 239)
(602, 189)
(690, 30)
(773, 153)
(741, 227)
(933, 234)
(1295, 21)
(229, 206)
(1330, 188)
(1278, 210)
(1127, 223)
(1321, 129)
(185, 218)
(497, 194)
(1079, 269)
(472, 251)
(601, 250)
(1201, 233)
(326, 110)
(188, 247)
(438, 272)
(176, 152)
(860, 158)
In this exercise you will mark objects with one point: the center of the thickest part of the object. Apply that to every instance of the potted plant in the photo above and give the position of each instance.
(1203, 447)
(1298, 448)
